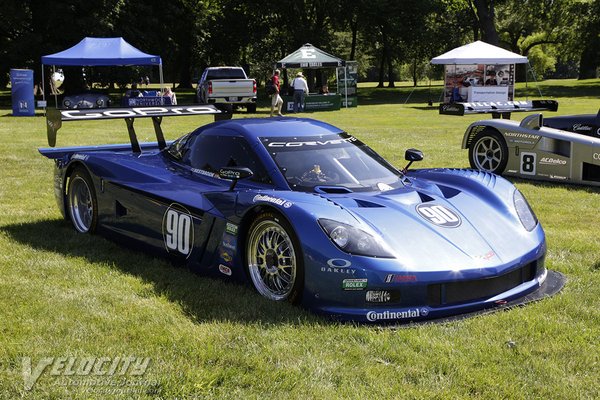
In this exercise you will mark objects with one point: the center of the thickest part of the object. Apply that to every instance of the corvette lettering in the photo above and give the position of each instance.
(596, 156)
(312, 142)
(373, 316)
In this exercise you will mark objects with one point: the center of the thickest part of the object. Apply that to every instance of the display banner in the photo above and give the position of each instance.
(347, 84)
(314, 102)
(23, 102)
(477, 82)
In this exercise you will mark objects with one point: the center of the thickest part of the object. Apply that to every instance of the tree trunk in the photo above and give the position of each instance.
(381, 69)
(390, 66)
(414, 72)
(589, 62)
(486, 17)
(354, 27)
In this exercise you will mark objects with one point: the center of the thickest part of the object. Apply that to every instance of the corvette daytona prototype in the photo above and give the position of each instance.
(306, 213)
(560, 149)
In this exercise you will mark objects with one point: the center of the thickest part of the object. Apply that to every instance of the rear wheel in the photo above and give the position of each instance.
(273, 258)
(488, 152)
(82, 202)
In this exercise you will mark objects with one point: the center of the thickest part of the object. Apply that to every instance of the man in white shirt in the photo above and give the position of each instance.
(300, 89)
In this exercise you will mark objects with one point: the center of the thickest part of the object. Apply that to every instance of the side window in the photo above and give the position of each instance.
(211, 153)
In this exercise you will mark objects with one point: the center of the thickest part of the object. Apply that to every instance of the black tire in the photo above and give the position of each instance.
(488, 152)
(82, 204)
(251, 108)
(274, 259)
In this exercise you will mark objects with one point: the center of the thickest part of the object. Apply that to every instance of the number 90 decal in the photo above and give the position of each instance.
(439, 215)
(178, 230)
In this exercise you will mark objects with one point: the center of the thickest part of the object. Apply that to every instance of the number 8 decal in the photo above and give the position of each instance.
(178, 230)
(528, 162)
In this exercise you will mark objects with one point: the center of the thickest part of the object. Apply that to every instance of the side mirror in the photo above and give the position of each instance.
(235, 174)
(411, 156)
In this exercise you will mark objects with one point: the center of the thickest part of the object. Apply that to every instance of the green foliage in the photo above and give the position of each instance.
(381, 34)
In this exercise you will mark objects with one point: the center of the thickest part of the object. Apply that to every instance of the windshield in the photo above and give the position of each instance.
(333, 160)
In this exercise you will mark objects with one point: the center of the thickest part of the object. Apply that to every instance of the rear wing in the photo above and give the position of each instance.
(497, 107)
(55, 118)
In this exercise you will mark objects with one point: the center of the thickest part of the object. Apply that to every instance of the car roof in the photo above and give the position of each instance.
(253, 128)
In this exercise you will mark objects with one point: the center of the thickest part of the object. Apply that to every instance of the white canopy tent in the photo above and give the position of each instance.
(479, 53)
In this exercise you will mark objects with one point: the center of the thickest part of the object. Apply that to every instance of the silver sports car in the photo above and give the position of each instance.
(564, 149)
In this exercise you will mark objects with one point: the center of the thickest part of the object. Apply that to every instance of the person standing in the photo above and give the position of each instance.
(276, 100)
(300, 89)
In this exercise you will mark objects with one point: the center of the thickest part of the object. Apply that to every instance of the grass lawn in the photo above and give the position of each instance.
(65, 295)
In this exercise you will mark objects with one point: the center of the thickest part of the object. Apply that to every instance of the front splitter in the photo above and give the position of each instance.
(553, 284)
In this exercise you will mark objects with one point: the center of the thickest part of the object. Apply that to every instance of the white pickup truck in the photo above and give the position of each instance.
(227, 85)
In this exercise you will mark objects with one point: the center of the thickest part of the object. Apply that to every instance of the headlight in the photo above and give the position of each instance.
(67, 103)
(99, 102)
(353, 240)
(524, 211)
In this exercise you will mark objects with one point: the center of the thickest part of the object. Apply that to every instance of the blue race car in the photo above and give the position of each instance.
(308, 214)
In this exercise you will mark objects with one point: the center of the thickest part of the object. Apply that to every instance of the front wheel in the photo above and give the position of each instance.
(273, 258)
(82, 202)
(488, 152)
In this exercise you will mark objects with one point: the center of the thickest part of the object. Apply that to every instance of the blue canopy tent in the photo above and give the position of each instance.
(102, 52)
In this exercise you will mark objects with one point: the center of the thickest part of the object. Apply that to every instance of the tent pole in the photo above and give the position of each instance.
(43, 85)
(346, 85)
(160, 74)
(54, 89)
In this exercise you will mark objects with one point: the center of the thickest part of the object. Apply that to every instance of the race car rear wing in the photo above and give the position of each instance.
(497, 107)
(55, 117)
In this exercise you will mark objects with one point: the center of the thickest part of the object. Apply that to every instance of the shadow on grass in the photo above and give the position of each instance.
(202, 298)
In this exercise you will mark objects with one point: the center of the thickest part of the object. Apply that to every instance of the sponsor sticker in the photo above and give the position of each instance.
(226, 257)
(552, 161)
(81, 157)
(204, 172)
(354, 284)
(231, 228)
(224, 269)
(394, 278)
(229, 242)
(273, 200)
(374, 316)
(485, 256)
(582, 128)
